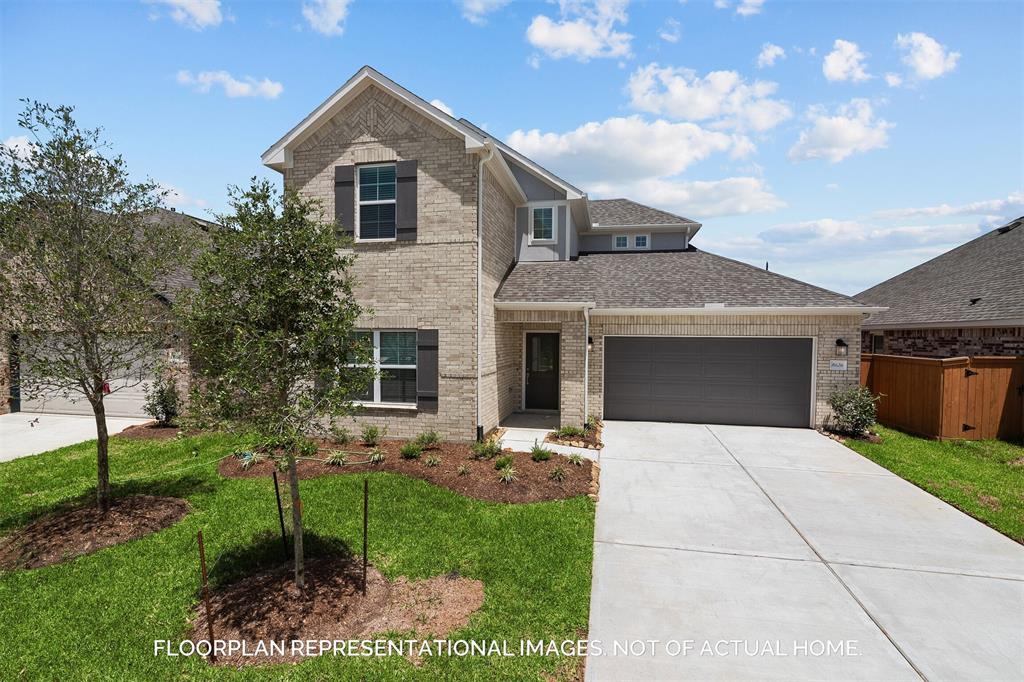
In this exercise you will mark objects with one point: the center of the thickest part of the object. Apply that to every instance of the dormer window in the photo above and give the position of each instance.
(621, 241)
(542, 224)
(377, 199)
(641, 241)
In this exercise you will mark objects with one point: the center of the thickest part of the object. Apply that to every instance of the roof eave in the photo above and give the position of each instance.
(741, 310)
(947, 324)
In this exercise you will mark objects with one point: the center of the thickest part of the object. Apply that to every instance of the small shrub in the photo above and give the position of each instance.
(372, 434)
(503, 461)
(570, 432)
(428, 439)
(538, 453)
(591, 423)
(432, 461)
(307, 448)
(508, 475)
(487, 449)
(377, 456)
(341, 435)
(557, 474)
(410, 451)
(247, 459)
(463, 470)
(575, 458)
(336, 459)
(854, 410)
(162, 400)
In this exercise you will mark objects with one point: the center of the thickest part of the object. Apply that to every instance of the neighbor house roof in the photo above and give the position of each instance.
(624, 213)
(977, 283)
(689, 279)
(180, 278)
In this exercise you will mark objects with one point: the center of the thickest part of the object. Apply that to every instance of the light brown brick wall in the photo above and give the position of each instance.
(824, 329)
(949, 342)
(429, 283)
(499, 226)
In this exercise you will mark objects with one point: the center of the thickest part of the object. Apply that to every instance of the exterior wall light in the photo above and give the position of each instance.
(842, 348)
(590, 343)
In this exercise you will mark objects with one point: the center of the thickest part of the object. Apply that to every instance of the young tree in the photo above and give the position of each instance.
(81, 262)
(271, 329)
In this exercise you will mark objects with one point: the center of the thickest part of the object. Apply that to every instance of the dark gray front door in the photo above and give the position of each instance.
(541, 371)
(763, 382)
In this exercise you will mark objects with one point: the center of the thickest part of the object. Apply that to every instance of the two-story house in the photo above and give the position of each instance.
(498, 287)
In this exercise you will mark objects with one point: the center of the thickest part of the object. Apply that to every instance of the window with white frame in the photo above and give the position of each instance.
(620, 241)
(394, 358)
(543, 224)
(377, 192)
(641, 241)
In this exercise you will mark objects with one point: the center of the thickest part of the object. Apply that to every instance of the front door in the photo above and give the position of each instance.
(541, 375)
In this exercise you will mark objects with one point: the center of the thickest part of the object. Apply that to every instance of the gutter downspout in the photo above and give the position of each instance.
(489, 146)
(586, 364)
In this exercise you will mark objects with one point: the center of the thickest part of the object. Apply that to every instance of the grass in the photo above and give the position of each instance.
(96, 617)
(982, 478)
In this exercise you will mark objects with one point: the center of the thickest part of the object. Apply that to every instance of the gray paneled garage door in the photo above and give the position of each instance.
(765, 382)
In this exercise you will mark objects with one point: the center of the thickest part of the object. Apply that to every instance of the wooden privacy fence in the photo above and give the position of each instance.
(968, 398)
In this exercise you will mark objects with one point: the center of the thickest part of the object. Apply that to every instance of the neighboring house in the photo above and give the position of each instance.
(968, 301)
(497, 286)
(128, 393)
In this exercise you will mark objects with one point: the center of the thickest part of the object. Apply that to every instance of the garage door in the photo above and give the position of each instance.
(752, 381)
(128, 401)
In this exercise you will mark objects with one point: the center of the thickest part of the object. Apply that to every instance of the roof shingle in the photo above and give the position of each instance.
(678, 279)
(989, 269)
(623, 212)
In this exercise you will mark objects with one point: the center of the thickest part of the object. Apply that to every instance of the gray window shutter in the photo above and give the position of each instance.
(405, 218)
(345, 199)
(426, 369)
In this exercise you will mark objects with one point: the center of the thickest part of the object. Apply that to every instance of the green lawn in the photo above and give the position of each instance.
(983, 478)
(96, 617)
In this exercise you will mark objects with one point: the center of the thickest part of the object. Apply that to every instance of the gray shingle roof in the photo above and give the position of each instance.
(175, 281)
(679, 279)
(620, 212)
(989, 268)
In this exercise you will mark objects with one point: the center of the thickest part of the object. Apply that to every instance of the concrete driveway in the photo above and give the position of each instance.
(26, 433)
(747, 552)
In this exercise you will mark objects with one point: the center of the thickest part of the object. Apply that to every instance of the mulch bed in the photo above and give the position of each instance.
(63, 536)
(267, 607)
(149, 431)
(842, 437)
(591, 438)
(480, 480)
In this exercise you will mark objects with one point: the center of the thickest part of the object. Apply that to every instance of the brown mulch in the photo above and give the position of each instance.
(267, 607)
(842, 438)
(149, 431)
(591, 438)
(480, 480)
(63, 536)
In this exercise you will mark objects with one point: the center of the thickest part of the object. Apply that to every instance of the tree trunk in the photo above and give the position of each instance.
(293, 480)
(102, 462)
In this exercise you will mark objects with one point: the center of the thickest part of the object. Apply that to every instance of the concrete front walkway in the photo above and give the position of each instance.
(752, 548)
(27, 433)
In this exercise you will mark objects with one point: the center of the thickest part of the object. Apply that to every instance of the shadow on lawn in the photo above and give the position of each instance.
(266, 553)
(180, 486)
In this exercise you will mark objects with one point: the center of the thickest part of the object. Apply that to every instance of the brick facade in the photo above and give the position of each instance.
(948, 343)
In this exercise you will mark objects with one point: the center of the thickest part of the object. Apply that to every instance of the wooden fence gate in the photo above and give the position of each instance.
(967, 398)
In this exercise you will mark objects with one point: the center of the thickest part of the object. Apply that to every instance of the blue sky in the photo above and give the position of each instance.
(841, 142)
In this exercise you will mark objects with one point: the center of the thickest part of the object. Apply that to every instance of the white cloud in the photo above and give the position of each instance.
(769, 54)
(326, 16)
(744, 8)
(853, 128)
(178, 198)
(832, 185)
(670, 31)
(20, 146)
(624, 149)
(476, 11)
(248, 87)
(845, 63)
(585, 30)
(893, 80)
(442, 106)
(698, 198)
(193, 14)
(723, 97)
(996, 210)
(925, 56)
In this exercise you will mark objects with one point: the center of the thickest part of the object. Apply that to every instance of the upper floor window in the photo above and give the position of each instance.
(621, 241)
(376, 187)
(543, 224)
(640, 241)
